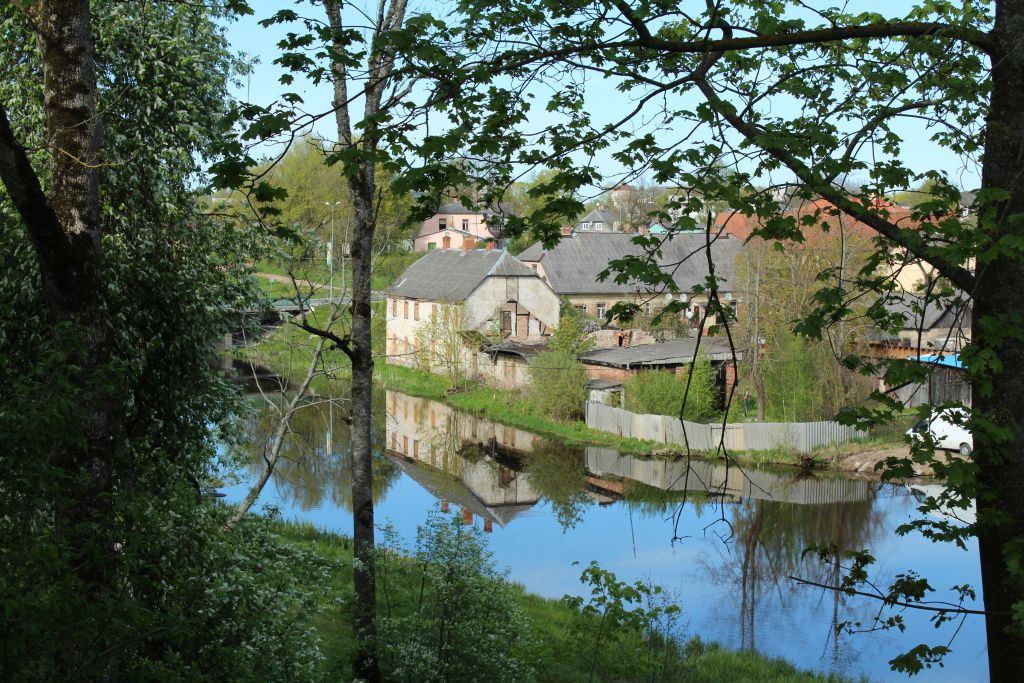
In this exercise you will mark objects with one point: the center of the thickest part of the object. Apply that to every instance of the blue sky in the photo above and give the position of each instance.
(260, 45)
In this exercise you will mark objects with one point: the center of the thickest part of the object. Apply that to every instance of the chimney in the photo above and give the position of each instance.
(489, 245)
(468, 243)
(446, 242)
(566, 230)
(467, 516)
(488, 527)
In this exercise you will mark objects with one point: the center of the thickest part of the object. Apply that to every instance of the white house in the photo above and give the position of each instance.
(481, 311)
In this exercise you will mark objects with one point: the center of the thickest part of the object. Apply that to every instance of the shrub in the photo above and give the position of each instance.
(558, 385)
(630, 630)
(662, 393)
(465, 624)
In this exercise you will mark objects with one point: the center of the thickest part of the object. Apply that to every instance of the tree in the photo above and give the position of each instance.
(768, 89)
(571, 336)
(359, 56)
(114, 287)
(558, 385)
(797, 379)
(440, 343)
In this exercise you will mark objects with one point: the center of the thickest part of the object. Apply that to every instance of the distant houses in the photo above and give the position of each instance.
(456, 227)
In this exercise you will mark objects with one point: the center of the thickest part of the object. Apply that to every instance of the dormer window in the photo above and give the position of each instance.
(584, 226)
(598, 225)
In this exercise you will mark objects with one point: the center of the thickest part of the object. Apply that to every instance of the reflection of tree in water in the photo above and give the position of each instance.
(558, 473)
(769, 539)
(316, 460)
(652, 501)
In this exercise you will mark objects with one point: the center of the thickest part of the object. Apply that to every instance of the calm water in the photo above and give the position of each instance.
(723, 540)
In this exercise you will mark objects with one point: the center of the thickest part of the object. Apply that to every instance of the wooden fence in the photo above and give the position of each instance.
(743, 436)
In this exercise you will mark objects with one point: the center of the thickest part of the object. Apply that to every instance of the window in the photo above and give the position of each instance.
(416, 311)
(465, 224)
(580, 307)
(431, 245)
(584, 226)
(394, 308)
(433, 313)
(647, 308)
(405, 310)
(598, 225)
(601, 309)
(442, 223)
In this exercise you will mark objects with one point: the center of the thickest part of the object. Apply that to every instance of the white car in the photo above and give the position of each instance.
(945, 431)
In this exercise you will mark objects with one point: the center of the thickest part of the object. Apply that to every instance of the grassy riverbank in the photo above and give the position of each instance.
(553, 650)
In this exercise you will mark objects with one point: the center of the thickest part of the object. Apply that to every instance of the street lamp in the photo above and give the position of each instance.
(330, 246)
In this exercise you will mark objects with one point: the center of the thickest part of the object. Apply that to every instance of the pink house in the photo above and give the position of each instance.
(456, 227)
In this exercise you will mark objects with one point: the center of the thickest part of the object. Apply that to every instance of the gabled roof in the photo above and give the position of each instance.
(598, 215)
(452, 274)
(573, 265)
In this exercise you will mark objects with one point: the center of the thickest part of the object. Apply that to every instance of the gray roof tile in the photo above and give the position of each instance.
(573, 265)
(452, 274)
(672, 352)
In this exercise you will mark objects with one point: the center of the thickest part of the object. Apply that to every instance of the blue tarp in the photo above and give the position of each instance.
(950, 360)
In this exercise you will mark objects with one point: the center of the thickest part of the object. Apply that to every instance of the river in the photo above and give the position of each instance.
(723, 540)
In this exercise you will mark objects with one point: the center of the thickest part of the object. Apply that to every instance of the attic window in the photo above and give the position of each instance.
(442, 223)
(584, 226)
(598, 225)
(465, 224)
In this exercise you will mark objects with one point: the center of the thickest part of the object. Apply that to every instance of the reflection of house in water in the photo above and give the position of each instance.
(717, 479)
(477, 465)
(460, 458)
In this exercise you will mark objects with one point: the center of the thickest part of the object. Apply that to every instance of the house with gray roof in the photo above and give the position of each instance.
(598, 220)
(573, 266)
(451, 303)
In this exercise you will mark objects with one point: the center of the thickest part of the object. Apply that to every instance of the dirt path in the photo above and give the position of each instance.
(864, 462)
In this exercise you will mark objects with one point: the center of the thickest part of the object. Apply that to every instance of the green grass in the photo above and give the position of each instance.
(507, 407)
(555, 655)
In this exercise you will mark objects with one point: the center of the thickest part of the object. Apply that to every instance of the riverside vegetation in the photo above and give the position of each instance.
(446, 614)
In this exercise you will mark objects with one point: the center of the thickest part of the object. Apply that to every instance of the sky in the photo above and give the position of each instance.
(261, 86)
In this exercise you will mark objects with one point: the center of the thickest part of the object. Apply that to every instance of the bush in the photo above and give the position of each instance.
(558, 385)
(662, 393)
(630, 631)
(465, 624)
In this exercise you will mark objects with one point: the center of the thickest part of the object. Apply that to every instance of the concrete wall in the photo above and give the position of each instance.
(742, 436)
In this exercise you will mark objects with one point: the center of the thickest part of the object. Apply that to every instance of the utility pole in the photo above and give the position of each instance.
(330, 247)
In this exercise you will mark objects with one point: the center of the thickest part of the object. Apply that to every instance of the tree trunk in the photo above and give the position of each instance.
(366, 665)
(998, 396)
(65, 228)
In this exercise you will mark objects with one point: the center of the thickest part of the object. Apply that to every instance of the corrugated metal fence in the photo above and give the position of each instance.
(743, 436)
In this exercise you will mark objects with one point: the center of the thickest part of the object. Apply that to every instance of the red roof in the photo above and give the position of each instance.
(738, 225)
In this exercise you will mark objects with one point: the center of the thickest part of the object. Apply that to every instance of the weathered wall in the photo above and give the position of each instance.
(530, 292)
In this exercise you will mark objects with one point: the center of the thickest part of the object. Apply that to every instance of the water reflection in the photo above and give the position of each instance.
(315, 464)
